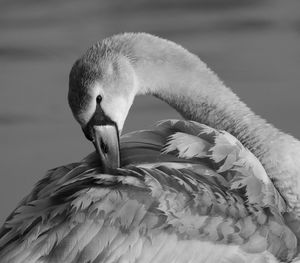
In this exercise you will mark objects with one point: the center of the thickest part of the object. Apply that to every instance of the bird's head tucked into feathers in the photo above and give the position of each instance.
(101, 90)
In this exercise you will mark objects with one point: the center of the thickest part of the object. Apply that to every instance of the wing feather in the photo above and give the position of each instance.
(186, 193)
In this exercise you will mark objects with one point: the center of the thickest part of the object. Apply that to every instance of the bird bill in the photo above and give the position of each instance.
(106, 141)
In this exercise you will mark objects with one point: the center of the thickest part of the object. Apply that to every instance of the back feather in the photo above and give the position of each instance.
(185, 193)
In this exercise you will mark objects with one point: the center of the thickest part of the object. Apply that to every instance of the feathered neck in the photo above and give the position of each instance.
(181, 79)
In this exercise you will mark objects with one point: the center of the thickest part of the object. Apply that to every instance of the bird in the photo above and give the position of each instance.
(221, 185)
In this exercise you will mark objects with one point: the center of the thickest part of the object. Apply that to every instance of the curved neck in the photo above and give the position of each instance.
(181, 79)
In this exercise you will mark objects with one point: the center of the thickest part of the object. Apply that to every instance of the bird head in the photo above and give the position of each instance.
(101, 90)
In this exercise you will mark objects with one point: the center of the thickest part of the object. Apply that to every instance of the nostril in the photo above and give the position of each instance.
(104, 146)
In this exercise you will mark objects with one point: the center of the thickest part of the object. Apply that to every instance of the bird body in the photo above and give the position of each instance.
(131, 64)
(223, 187)
(185, 193)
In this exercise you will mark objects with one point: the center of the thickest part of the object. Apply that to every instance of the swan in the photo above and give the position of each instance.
(220, 186)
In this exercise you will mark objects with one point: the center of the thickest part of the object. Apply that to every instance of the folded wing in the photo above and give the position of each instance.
(185, 193)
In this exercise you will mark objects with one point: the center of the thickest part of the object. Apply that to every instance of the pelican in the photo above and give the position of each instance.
(220, 186)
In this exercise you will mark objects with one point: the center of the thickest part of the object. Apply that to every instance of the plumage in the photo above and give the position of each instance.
(149, 211)
(222, 187)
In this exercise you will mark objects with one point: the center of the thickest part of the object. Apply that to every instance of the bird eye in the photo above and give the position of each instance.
(99, 99)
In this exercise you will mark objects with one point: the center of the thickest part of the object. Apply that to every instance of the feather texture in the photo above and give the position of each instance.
(185, 193)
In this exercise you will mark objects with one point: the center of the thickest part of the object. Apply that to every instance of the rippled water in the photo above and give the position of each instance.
(253, 46)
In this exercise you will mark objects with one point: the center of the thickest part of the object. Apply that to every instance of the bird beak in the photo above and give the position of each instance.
(104, 134)
(106, 142)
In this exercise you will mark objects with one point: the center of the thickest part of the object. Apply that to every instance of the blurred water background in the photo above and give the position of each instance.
(253, 45)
